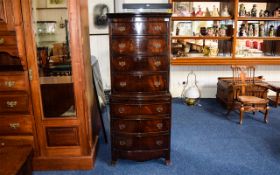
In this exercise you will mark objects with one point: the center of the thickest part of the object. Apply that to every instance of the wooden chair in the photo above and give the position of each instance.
(248, 96)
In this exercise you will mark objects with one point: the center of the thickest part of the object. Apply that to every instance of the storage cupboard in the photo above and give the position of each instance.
(46, 84)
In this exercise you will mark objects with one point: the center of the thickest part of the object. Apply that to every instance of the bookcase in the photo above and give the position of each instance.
(203, 34)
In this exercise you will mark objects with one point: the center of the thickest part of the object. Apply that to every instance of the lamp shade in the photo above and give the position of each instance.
(192, 92)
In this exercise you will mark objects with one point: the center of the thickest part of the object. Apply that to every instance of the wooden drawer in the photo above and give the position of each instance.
(128, 142)
(14, 103)
(11, 82)
(10, 125)
(139, 45)
(140, 125)
(139, 28)
(8, 40)
(122, 109)
(139, 63)
(157, 82)
(62, 136)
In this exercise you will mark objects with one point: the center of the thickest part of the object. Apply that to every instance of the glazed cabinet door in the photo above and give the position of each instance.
(58, 126)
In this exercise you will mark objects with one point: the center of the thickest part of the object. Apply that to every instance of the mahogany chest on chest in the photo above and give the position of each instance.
(140, 103)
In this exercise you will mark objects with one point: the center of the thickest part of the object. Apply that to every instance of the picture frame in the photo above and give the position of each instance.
(182, 8)
(98, 20)
(57, 3)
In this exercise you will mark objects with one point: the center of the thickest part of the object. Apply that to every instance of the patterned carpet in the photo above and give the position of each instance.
(204, 142)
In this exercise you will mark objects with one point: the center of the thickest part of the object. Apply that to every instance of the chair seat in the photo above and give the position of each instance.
(252, 100)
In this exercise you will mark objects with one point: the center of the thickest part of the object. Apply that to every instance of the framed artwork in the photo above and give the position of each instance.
(56, 3)
(182, 8)
(98, 21)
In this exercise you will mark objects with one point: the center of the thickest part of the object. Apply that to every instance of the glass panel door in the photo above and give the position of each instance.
(50, 20)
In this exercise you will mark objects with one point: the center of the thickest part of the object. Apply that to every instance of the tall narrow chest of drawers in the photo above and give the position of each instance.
(140, 103)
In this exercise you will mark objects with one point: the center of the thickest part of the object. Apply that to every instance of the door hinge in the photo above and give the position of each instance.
(30, 74)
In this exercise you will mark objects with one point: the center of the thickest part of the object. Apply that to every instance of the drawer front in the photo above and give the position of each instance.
(140, 126)
(138, 63)
(121, 110)
(139, 45)
(128, 142)
(15, 125)
(139, 83)
(13, 82)
(62, 136)
(139, 28)
(17, 103)
(8, 40)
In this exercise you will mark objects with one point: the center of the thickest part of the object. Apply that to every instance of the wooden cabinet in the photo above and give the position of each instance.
(140, 104)
(47, 95)
(200, 37)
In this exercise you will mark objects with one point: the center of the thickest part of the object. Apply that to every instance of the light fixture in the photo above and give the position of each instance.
(190, 94)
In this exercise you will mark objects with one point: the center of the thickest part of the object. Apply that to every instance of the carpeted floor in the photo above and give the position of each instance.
(205, 142)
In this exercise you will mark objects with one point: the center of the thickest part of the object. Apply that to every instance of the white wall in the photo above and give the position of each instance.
(206, 75)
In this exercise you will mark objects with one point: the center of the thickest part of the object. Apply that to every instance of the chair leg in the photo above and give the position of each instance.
(266, 114)
(241, 115)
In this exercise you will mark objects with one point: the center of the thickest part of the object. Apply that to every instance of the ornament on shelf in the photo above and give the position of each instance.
(215, 12)
(203, 31)
(278, 31)
(254, 11)
(193, 11)
(177, 31)
(225, 12)
(277, 12)
(266, 13)
(222, 30)
(199, 12)
(207, 13)
(242, 30)
(248, 14)
(261, 14)
(271, 31)
(261, 30)
(191, 93)
(242, 10)
(256, 30)
(210, 31)
(251, 30)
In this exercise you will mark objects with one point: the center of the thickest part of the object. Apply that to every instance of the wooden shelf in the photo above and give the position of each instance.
(223, 61)
(197, 18)
(203, 37)
(259, 38)
(56, 80)
(258, 19)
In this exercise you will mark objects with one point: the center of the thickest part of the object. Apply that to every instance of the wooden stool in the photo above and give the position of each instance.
(16, 160)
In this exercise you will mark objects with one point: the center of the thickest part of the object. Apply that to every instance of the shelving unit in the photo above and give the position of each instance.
(233, 40)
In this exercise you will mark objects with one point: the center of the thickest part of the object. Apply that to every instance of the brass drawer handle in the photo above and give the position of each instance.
(122, 143)
(122, 126)
(121, 29)
(157, 83)
(122, 63)
(159, 109)
(122, 45)
(159, 142)
(2, 40)
(14, 125)
(157, 63)
(123, 84)
(157, 45)
(157, 28)
(10, 83)
(159, 125)
(121, 110)
(11, 104)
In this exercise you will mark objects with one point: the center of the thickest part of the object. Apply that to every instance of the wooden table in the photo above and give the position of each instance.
(15, 160)
(274, 86)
